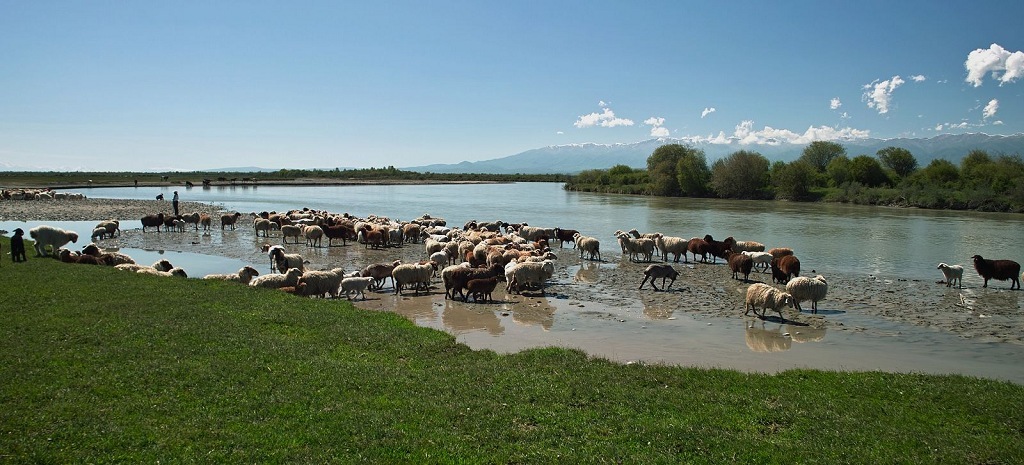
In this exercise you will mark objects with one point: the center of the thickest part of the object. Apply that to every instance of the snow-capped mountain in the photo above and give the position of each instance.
(574, 158)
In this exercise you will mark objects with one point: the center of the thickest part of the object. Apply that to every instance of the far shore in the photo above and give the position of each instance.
(198, 183)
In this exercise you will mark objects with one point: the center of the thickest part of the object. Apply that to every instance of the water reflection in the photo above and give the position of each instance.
(767, 340)
(803, 334)
(588, 272)
(459, 317)
(533, 313)
(657, 310)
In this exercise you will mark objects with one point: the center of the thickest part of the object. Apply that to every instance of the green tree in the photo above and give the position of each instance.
(793, 180)
(693, 173)
(819, 153)
(661, 168)
(839, 171)
(868, 171)
(742, 175)
(938, 173)
(899, 160)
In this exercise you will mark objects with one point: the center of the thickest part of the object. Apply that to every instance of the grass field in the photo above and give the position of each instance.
(99, 365)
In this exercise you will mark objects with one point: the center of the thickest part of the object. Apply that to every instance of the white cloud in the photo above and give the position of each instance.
(997, 123)
(605, 119)
(938, 127)
(918, 78)
(845, 115)
(656, 124)
(559, 132)
(602, 103)
(835, 103)
(745, 134)
(990, 109)
(879, 93)
(707, 111)
(994, 60)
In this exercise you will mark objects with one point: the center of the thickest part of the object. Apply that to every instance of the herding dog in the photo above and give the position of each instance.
(18, 246)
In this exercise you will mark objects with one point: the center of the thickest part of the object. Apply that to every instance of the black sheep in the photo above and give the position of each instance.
(18, 246)
(998, 269)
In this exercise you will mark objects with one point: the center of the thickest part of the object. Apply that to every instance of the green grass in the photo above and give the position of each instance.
(99, 365)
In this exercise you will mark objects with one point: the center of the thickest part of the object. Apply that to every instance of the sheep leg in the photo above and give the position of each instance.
(645, 281)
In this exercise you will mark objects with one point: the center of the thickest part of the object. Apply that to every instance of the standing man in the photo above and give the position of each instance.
(174, 202)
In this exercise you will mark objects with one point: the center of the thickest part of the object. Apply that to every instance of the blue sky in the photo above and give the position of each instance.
(193, 85)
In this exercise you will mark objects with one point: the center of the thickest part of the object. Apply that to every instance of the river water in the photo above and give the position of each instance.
(895, 242)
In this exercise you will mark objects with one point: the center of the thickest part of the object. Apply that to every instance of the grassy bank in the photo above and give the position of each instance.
(100, 365)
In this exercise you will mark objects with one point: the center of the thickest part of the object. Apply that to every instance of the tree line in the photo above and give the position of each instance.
(823, 172)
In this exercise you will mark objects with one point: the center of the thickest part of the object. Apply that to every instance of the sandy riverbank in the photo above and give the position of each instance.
(991, 314)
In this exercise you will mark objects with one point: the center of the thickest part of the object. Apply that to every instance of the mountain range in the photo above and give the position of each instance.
(574, 158)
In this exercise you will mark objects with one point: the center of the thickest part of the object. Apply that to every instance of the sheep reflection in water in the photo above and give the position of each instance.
(460, 316)
(767, 340)
(589, 272)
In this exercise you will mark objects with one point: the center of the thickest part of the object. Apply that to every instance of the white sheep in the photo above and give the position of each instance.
(290, 230)
(284, 261)
(802, 288)
(671, 245)
(264, 225)
(319, 283)
(243, 276)
(764, 297)
(764, 259)
(277, 280)
(193, 219)
(412, 274)
(56, 238)
(637, 248)
(747, 246)
(356, 285)
(952, 273)
(519, 276)
(588, 244)
(440, 259)
(166, 274)
(313, 235)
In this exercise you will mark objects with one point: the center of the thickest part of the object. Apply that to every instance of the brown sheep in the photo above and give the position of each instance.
(150, 221)
(740, 263)
(229, 219)
(718, 249)
(697, 246)
(482, 288)
(784, 268)
(998, 269)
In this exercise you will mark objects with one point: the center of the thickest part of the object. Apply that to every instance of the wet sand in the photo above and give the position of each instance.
(604, 295)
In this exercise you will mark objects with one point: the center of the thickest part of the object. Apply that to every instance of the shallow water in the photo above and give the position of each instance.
(827, 237)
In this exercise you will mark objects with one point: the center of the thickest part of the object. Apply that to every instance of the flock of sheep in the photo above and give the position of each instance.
(470, 261)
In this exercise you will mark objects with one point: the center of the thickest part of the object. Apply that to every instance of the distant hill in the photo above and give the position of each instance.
(578, 157)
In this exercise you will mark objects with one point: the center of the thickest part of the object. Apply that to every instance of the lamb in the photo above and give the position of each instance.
(522, 275)
(739, 263)
(285, 261)
(952, 273)
(456, 277)
(784, 268)
(440, 259)
(763, 296)
(998, 269)
(229, 219)
(760, 258)
(380, 272)
(113, 227)
(320, 283)
(371, 238)
(55, 238)
(803, 288)
(355, 285)
(590, 245)
(314, 234)
(412, 274)
(206, 221)
(244, 275)
(659, 271)
(98, 234)
(68, 256)
(672, 245)
(277, 280)
(641, 249)
(150, 221)
(482, 288)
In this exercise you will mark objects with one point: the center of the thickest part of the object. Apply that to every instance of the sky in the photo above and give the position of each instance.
(143, 85)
